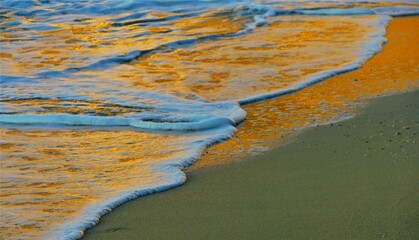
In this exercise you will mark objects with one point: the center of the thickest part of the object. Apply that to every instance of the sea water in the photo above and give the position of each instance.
(105, 101)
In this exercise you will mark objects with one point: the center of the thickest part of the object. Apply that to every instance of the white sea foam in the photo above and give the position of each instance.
(397, 11)
(353, 11)
(391, 11)
(259, 19)
(191, 123)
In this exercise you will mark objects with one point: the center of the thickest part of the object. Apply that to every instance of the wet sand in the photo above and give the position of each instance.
(271, 123)
(357, 179)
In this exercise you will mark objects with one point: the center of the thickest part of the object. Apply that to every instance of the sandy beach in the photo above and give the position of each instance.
(356, 179)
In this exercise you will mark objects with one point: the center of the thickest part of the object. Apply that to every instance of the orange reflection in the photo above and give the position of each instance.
(265, 60)
(271, 122)
(72, 107)
(210, 22)
(5, 55)
(73, 45)
(49, 176)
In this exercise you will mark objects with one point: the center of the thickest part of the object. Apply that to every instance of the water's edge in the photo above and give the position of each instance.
(179, 178)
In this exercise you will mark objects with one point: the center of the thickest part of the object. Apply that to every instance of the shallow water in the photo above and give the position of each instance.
(105, 101)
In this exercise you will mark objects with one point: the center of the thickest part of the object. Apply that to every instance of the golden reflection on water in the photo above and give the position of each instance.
(209, 23)
(74, 107)
(271, 58)
(48, 176)
(73, 45)
(269, 123)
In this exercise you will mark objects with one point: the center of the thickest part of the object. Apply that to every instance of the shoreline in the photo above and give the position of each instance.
(277, 121)
(350, 180)
(194, 178)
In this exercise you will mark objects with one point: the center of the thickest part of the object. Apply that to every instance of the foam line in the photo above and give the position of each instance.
(113, 61)
(91, 214)
(353, 11)
(259, 20)
(174, 177)
(194, 123)
(393, 11)
(397, 11)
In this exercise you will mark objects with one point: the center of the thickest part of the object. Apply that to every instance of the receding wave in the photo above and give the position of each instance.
(369, 49)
